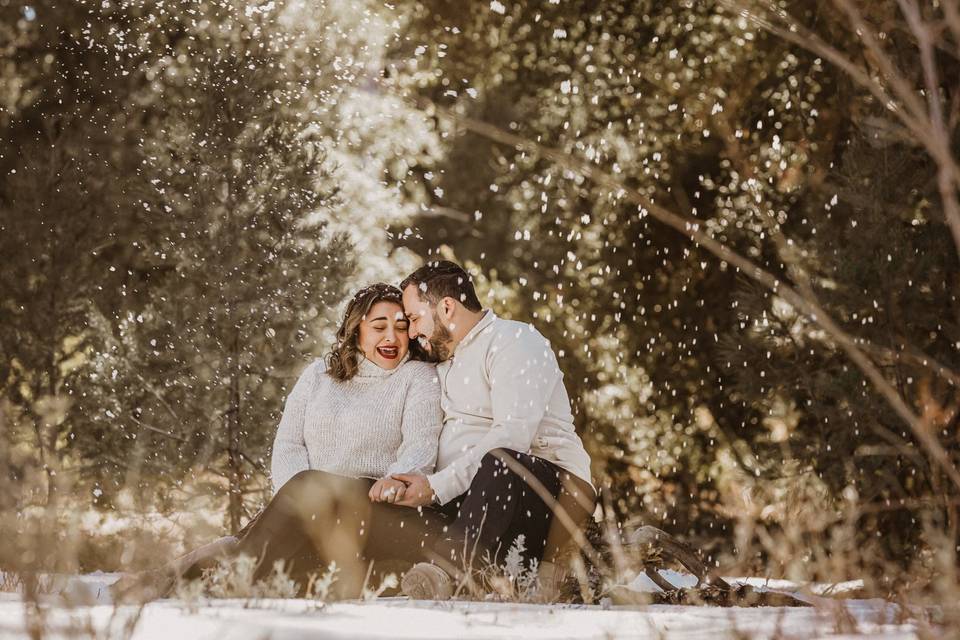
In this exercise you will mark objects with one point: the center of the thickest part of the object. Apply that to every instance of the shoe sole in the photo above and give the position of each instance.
(417, 587)
(422, 585)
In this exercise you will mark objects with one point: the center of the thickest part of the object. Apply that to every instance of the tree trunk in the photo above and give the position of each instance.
(234, 462)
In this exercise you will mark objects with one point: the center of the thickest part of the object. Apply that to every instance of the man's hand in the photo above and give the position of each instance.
(387, 490)
(419, 493)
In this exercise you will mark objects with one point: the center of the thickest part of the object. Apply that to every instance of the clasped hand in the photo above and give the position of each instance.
(387, 490)
(405, 489)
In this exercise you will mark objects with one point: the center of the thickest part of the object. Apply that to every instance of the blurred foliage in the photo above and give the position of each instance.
(188, 189)
(696, 389)
(169, 266)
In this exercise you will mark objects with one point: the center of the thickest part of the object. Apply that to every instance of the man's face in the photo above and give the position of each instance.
(426, 326)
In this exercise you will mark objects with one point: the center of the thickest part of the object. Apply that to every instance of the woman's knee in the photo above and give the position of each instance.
(302, 484)
(307, 476)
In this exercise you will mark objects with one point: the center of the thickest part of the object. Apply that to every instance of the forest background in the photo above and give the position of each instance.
(188, 190)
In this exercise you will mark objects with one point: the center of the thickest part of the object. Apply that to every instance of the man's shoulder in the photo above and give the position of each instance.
(507, 333)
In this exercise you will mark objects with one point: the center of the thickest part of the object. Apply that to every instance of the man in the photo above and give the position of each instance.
(508, 452)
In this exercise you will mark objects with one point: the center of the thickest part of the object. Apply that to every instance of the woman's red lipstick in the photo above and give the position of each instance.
(390, 353)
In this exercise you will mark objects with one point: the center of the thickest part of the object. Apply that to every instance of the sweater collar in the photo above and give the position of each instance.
(368, 370)
(488, 317)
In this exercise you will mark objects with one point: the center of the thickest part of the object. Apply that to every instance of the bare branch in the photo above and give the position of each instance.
(951, 13)
(893, 75)
(947, 177)
(792, 31)
(922, 32)
(691, 228)
(166, 434)
(928, 127)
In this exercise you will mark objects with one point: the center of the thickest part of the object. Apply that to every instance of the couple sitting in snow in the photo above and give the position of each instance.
(383, 457)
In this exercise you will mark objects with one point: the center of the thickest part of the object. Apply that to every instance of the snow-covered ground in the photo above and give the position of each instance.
(400, 618)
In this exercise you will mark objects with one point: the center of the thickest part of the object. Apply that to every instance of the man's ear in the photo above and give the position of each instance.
(447, 307)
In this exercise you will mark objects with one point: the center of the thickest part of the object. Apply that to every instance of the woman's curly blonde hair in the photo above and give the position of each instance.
(342, 361)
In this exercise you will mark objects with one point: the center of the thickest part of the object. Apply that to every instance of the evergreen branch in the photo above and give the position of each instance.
(791, 30)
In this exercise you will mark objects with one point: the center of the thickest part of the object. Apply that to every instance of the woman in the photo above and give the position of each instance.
(364, 412)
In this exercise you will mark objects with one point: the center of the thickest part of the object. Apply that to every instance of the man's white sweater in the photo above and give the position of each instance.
(377, 423)
(503, 388)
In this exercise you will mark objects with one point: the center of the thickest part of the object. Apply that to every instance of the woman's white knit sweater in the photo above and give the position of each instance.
(379, 422)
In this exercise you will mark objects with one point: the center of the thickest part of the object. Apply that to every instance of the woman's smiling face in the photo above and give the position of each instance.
(383, 337)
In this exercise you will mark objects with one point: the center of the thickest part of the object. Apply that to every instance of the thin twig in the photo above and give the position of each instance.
(947, 177)
(904, 91)
(904, 106)
(148, 427)
(691, 228)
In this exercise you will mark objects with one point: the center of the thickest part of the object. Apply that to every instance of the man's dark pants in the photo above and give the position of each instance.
(513, 494)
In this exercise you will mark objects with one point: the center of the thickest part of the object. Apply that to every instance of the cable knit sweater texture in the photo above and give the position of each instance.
(377, 423)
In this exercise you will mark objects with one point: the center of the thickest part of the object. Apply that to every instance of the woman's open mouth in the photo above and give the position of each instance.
(389, 353)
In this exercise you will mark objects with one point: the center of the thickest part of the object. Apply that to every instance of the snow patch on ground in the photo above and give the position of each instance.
(400, 618)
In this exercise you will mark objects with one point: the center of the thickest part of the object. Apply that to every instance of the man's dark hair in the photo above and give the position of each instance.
(441, 279)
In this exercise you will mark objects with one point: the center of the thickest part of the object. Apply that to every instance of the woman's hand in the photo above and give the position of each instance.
(419, 492)
(387, 490)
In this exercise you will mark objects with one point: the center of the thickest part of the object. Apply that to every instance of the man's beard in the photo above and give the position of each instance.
(439, 342)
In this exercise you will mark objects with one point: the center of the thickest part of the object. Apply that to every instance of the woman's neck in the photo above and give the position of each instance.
(369, 370)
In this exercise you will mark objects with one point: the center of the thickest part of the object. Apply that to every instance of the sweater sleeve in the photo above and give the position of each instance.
(522, 375)
(289, 448)
(420, 425)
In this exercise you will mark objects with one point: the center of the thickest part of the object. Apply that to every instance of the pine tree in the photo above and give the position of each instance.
(233, 186)
(158, 148)
(64, 124)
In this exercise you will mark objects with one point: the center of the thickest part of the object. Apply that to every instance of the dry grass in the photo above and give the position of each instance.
(779, 531)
